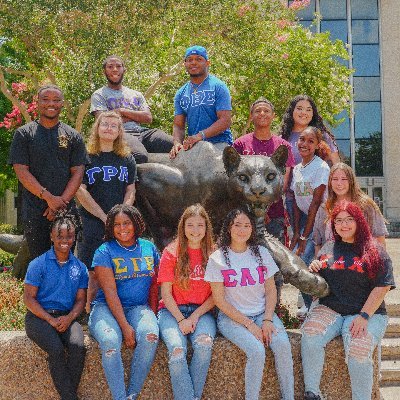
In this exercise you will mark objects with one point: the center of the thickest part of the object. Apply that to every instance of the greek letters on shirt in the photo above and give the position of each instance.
(303, 189)
(232, 279)
(132, 103)
(202, 97)
(339, 264)
(107, 172)
(135, 267)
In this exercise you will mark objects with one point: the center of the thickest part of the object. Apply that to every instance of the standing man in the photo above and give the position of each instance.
(49, 159)
(133, 108)
(203, 104)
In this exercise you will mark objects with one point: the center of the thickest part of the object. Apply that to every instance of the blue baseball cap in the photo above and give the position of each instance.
(198, 50)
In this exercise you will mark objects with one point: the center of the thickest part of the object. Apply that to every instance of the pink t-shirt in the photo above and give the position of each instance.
(249, 145)
(198, 291)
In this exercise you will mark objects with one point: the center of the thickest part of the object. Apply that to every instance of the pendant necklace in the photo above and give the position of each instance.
(125, 248)
(196, 88)
(303, 166)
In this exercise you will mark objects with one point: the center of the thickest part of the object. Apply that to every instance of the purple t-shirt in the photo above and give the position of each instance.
(248, 145)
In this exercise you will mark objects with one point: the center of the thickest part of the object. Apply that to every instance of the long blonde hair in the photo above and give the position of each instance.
(182, 269)
(120, 147)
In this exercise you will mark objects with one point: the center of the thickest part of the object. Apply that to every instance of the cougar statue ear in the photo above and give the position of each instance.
(280, 157)
(231, 159)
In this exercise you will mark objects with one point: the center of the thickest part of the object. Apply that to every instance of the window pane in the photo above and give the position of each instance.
(366, 60)
(369, 156)
(367, 119)
(333, 9)
(338, 29)
(364, 9)
(365, 31)
(342, 131)
(367, 89)
(308, 12)
(309, 25)
(344, 150)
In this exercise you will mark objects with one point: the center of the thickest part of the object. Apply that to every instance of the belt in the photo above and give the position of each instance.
(57, 312)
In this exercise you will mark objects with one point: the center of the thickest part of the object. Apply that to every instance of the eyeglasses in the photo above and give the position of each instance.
(347, 220)
(106, 125)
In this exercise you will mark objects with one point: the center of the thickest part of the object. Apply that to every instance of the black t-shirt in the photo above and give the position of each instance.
(348, 280)
(49, 154)
(106, 177)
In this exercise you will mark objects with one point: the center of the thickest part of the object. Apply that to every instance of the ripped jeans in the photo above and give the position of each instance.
(320, 327)
(105, 329)
(187, 381)
(255, 353)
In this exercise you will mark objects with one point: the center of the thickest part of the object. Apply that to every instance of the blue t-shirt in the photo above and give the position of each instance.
(133, 270)
(200, 104)
(58, 285)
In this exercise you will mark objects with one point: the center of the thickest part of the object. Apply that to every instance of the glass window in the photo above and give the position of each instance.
(367, 88)
(364, 9)
(367, 119)
(309, 25)
(333, 9)
(342, 131)
(369, 156)
(337, 29)
(307, 12)
(365, 31)
(366, 60)
(344, 150)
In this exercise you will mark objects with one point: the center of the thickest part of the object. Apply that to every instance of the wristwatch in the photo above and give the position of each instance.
(364, 315)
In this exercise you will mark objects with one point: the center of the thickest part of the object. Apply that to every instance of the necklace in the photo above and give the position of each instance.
(125, 248)
(62, 262)
(303, 166)
(196, 88)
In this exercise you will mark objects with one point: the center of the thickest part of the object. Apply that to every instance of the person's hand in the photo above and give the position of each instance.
(256, 331)
(129, 336)
(190, 141)
(315, 266)
(268, 329)
(194, 319)
(294, 241)
(54, 202)
(49, 214)
(301, 248)
(54, 322)
(358, 327)
(63, 323)
(186, 326)
(176, 148)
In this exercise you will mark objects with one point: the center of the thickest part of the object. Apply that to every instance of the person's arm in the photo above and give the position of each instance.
(221, 124)
(139, 116)
(218, 293)
(334, 157)
(105, 277)
(92, 290)
(286, 179)
(130, 194)
(80, 302)
(296, 228)
(74, 182)
(267, 327)
(312, 212)
(89, 204)
(153, 292)
(178, 134)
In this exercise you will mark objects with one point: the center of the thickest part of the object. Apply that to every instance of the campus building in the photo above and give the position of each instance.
(368, 139)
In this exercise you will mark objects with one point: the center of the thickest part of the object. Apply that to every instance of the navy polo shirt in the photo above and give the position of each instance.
(58, 285)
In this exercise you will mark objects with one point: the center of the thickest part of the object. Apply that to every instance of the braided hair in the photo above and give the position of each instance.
(65, 217)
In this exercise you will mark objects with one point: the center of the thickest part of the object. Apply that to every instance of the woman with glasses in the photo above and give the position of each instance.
(109, 179)
(359, 273)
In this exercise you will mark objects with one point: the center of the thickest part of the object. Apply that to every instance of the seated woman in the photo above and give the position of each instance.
(55, 295)
(241, 275)
(186, 303)
(125, 266)
(359, 273)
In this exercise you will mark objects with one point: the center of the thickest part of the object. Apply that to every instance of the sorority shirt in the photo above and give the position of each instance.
(200, 104)
(133, 268)
(306, 179)
(198, 291)
(348, 280)
(244, 279)
(248, 145)
(57, 284)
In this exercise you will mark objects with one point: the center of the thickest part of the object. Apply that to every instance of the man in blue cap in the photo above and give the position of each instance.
(203, 104)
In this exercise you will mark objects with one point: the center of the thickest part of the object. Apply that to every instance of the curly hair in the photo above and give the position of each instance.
(365, 246)
(65, 217)
(120, 147)
(224, 239)
(132, 213)
(182, 269)
(316, 120)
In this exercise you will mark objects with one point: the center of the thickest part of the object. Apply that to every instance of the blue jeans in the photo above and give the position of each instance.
(255, 353)
(105, 329)
(324, 324)
(187, 381)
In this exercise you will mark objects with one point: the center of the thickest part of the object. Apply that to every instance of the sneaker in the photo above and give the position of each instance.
(301, 313)
(311, 396)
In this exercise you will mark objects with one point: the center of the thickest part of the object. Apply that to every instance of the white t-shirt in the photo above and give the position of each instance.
(244, 279)
(306, 179)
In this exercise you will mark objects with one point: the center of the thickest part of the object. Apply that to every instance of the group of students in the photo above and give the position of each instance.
(332, 219)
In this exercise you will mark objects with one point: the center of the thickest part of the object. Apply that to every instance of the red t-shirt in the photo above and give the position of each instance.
(198, 291)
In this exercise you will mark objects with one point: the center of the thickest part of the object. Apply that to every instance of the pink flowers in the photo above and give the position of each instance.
(243, 10)
(285, 56)
(282, 38)
(18, 87)
(299, 4)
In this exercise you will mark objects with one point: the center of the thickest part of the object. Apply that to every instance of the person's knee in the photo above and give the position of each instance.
(203, 340)
(109, 340)
(360, 349)
(318, 321)
(152, 338)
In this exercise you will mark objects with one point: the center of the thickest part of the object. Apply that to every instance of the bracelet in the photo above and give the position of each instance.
(266, 319)
(41, 193)
(302, 237)
(203, 135)
(181, 320)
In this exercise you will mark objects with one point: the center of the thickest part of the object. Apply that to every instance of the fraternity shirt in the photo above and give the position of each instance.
(133, 268)
(57, 284)
(200, 104)
(244, 279)
(347, 277)
(198, 290)
(306, 179)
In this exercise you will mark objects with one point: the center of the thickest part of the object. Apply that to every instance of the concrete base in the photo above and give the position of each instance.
(24, 373)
